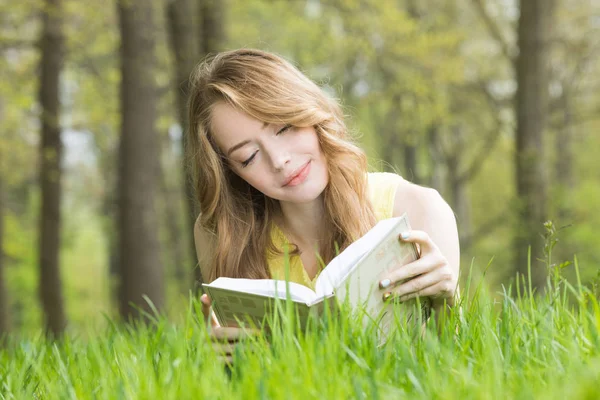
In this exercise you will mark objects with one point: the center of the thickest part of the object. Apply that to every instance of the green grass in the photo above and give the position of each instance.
(519, 346)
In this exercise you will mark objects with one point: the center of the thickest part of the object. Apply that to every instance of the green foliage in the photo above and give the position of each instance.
(21, 273)
(87, 294)
(399, 68)
(368, 61)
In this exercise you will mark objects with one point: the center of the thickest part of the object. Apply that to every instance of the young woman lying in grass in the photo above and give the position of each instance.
(273, 164)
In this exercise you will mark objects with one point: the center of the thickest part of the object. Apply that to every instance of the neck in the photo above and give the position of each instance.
(303, 222)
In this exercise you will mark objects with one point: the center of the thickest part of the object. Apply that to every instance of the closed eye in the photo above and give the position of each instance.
(249, 160)
(285, 128)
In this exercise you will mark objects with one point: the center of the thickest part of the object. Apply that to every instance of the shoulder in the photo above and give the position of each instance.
(381, 180)
(381, 190)
(204, 243)
(425, 206)
(427, 211)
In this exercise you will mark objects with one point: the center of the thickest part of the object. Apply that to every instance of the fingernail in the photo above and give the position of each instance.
(405, 235)
(384, 283)
(387, 296)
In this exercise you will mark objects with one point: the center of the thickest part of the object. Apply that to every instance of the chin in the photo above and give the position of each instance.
(307, 193)
(304, 198)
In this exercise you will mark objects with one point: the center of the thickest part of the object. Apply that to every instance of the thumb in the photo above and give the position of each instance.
(206, 311)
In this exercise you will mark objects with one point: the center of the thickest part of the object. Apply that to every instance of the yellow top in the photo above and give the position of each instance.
(381, 190)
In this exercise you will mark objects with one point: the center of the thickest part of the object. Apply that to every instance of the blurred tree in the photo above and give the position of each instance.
(403, 69)
(574, 107)
(175, 239)
(531, 69)
(51, 62)
(212, 38)
(4, 322)
(19, 143)
(400, 68)
(185, 48)
(525, 48)
(139, 257)
(475, 131)
(575, 48)
(93, 40)
(212, 26)
(391, 55)
(461, 140)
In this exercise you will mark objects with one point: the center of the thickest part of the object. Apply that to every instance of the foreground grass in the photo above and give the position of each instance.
(516, 347)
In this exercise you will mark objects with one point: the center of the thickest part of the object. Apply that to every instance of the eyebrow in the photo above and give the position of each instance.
(243, 143)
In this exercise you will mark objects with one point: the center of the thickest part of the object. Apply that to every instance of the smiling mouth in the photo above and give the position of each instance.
(298, 176)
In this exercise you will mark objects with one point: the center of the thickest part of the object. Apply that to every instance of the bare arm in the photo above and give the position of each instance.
(428, 212)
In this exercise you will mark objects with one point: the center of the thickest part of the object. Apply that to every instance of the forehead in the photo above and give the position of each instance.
(230, 125)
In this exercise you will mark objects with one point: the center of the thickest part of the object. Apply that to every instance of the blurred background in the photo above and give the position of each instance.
(495, 103)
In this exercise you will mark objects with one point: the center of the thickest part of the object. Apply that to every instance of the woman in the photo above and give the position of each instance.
(273, 164)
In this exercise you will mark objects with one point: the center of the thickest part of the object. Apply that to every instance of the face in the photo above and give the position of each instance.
(281, 161)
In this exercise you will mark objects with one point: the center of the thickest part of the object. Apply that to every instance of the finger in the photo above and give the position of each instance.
(419, 237)
(416, 285)
(231, 334)
(205, 300)
(213, 319)
(401, 273)
(438, 290)
(209, 315)
(229, 348)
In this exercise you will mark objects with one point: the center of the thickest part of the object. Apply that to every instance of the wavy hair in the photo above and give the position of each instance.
(271, 90)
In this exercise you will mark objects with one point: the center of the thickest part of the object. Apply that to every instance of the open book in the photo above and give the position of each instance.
(352, 276)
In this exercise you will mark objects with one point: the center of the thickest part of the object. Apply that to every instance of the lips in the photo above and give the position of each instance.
(298, 176)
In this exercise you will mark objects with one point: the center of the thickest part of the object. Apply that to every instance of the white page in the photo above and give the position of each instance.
(338, 269)
(266, 287)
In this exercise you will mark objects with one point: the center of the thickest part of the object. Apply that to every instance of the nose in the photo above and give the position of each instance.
(279, 156)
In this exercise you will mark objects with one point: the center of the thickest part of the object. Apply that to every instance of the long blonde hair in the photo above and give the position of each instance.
(271, 90)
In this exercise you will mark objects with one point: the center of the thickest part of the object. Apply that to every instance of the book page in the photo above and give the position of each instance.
(265, 287)
(233, 307)
(361, 287)
(340, 267)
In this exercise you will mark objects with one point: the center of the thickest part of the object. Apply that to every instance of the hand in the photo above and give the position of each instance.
(224, 338)
(429, 276)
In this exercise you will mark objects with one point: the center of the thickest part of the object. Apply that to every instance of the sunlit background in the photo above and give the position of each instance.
(430, 89)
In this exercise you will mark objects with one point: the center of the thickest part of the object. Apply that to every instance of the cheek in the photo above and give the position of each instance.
(319, 151)
(309, 142)
(257, 179)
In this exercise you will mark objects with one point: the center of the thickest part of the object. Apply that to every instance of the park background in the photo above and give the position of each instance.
(494, 103)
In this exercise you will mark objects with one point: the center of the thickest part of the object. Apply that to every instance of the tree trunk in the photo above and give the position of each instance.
(212, 26)
(410, 160)
(532, 80)
(185, 50)
(388, 150)
(139, 255)
(436, 177)
(389, 132)
(389, 145)
(50, 286)
(460, 198)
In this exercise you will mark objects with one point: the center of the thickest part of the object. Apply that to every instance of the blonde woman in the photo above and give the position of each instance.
(273, 164)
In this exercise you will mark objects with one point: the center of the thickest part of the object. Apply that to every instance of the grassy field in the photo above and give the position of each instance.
(520, 346)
